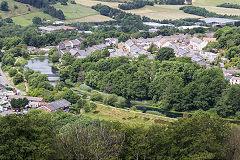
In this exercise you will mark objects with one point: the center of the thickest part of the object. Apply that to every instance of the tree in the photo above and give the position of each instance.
(110, 99)
(98, 140)
(29, 136)
(37, 20)
(229, 103)
(4, 6)
(19, 103)
(12, 72)
(18, 78)
(165, 53)
(200, 137)
(55, 57)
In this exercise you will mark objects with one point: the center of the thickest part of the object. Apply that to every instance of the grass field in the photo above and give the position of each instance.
(92, 3)
(161, 12)
(75, 12)
(26, 19)
(21, 10)
(213, 2)
(127, 116)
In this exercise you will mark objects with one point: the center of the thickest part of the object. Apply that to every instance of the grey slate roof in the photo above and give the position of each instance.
(60, 104)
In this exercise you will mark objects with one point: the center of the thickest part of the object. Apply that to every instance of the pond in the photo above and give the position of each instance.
(42, 64)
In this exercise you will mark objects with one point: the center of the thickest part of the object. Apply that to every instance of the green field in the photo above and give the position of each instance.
(26, 19)
(213, 2)
(20, 11)
(161, 12)
(73, 13)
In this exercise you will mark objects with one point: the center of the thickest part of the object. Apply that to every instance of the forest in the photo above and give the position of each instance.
(61, 135)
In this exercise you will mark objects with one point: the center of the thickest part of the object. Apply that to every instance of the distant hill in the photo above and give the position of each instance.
(23, 14)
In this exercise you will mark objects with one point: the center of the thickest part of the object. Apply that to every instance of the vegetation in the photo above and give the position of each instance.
(229, 5)
(112, 139)
(205, 13)
(135, 5)
(4, 6)
(170, 2)
(47, 8)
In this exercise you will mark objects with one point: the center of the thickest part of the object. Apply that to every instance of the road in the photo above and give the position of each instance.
(4, 81)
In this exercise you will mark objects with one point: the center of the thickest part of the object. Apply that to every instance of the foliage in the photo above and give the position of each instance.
(229, 104)
(18, 78)
(12, 72)
(135, 4)
(165, 53)
(19, 103)
(110, 99)
(4, 6)
(229, 5)
(37, 20)
(203, 12)
(96, 97)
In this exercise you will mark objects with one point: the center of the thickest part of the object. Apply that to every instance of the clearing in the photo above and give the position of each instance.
(108, 113)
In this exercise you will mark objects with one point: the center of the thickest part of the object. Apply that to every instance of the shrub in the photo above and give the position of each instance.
(110, 99)
(121, 102)
(96, 97)
(18, 79)
(85, 87)
(12, 72)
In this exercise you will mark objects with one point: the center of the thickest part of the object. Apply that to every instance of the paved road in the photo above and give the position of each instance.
(4, 81)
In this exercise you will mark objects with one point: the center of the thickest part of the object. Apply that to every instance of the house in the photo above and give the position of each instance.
(197, 44)
(209, 56)
(128, 44)
(47, 48)
(209, 39)
(111, 41)
(157, 25)
(75, 43)
(58, 23)
(62, 104)
(65, 44)
(219, 21)
(235, 80)
(32, 49)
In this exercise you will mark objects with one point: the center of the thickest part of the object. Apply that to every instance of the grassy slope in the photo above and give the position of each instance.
(161, 12)
(127, 116)
(73, 13)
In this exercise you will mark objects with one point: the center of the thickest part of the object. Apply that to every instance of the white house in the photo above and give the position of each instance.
(235, 80)
(197, 44)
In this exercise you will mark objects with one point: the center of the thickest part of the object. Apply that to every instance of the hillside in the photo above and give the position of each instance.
(24, 13)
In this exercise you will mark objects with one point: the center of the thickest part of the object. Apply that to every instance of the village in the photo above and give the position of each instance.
(182, 44)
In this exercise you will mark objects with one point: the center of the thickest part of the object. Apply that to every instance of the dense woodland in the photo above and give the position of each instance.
(135, 4)
(60, 135)
(46, 6)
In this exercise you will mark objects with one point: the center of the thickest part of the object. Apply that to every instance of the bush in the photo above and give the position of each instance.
(110, 99)
(85, 87)
(96, 97)
(121, 102)
(12, 72)
(18, 79)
